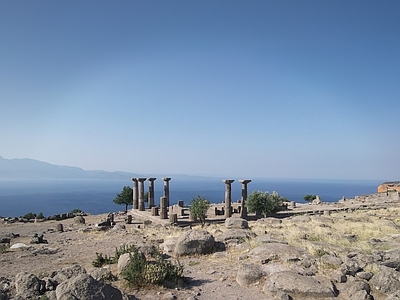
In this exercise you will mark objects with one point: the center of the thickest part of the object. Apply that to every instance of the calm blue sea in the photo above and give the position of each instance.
(18, 197)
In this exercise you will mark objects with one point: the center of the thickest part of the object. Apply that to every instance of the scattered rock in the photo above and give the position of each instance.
(296, 285)
(19, 246)
(123, 262)
(28, 285)
(248, 274)
(38, 239)
(278, 251)
(239, 234)
(386, 280)
(85, 287)
(194, 242)
(79, 220)
(236, 223)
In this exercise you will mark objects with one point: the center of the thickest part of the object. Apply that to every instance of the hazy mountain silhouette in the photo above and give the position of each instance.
(29, 168)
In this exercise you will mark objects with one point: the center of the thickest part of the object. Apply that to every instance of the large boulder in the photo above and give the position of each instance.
(386, 280)
(85, 287)
(391, 259)
(194, 242)
(248, 274)
(123, 262)
(168, 246)
(241, 235)
(28, 285)
(236, 223)
(296, 285)
(68, 273)
(5, 288)
(278, 251)
(79, 220)
(356, 289)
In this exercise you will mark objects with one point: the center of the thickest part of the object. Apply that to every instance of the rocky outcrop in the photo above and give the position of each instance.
(66, 284)
(392, 186)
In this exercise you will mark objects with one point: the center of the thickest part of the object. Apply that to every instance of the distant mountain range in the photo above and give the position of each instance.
(26, 168)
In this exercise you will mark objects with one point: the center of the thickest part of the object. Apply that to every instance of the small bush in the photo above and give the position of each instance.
(40, 216)
(3, 248)
(102, 260)
(122, 250)
(320, 252)
(140, 272)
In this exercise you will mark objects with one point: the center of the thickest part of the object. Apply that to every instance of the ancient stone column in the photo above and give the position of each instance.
(163, 208)
(243, 208)
(141, 193)
(166, 189)
(228, 197)
(135, 203)
(151, 192)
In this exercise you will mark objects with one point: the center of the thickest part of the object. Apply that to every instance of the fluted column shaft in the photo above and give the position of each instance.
(151, 192)
(243, 210)
(141, 193)
(166, 189)
(135, 203)
(228, 198)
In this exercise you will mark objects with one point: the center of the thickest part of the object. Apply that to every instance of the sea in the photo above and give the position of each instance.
(95, 196)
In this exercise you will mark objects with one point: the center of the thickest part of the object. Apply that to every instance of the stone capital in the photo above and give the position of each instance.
(245, 181)
(228, 181)
(141, 179)
(166, 179)
(151, 179)
(134, 179)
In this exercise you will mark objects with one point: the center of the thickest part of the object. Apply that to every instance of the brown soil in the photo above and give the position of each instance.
(209, 277)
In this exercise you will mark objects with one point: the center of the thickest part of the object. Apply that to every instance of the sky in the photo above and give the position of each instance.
(242, 89)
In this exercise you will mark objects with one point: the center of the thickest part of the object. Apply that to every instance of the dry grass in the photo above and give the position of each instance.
(340, 230)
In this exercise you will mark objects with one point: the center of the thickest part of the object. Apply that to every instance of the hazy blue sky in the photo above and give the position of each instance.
(293, 89)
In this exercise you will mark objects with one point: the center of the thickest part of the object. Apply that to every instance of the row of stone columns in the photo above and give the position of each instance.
(228, 197)
(138, 192)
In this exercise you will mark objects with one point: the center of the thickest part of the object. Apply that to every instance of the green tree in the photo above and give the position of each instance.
(199, 207)
(265, 203)
(125, 197)
(309, 198)
(29, 215)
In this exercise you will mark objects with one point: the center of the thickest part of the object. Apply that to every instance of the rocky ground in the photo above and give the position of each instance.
(352, 254)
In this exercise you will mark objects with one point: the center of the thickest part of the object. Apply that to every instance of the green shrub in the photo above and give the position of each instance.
(122, 250)
(141, 272)
(40, 216)
(102, 260)
(3, 248)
